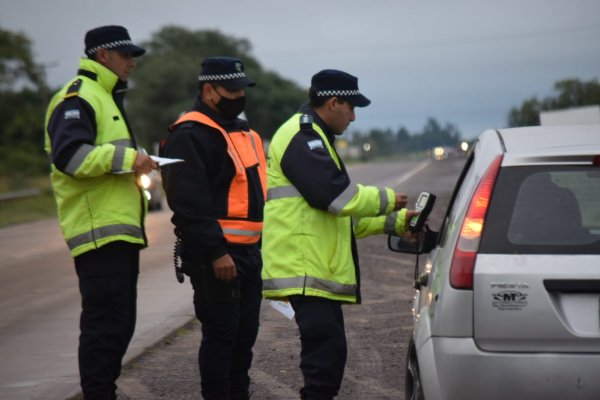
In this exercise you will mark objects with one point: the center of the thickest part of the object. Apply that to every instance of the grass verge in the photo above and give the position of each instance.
(26, 209)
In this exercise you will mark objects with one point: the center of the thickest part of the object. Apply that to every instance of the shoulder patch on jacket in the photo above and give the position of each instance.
(73, 89)
(72, 114)
(315, 144)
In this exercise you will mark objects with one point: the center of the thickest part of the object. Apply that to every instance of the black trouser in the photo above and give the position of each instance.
(108, 286)
(229, 314)
(323, 339)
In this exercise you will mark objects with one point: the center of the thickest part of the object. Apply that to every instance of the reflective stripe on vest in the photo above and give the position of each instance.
(103, 232)
(336, 206)
(245, 151)
(80, 155)
(309, 282)
(282, 192)
(389, 227)
(241, 231)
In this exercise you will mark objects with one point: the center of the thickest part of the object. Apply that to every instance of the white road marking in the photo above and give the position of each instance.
(406, 176)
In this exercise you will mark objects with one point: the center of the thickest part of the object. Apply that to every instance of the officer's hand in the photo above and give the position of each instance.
(144, 164)
(401, 201)
(224, 268)
(409, 215)
(409, 235)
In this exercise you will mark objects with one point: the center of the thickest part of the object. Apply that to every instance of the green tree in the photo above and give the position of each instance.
(574, 93)
(17, 64)
(386, 143)
(570, 93)
(165, 82)
(433, 134)
(527, 115)
(23, 97)
(402, 140)
(381, 141)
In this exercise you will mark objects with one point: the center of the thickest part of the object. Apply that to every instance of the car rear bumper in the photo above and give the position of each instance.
(454, 368)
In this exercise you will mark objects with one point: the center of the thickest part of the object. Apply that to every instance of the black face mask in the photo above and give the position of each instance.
(231, 108)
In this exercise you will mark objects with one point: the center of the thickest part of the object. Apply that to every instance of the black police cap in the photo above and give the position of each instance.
(225, 71)
(111, 37)
(335, 83)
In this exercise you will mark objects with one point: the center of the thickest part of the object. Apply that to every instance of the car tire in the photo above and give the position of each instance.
(413, 387)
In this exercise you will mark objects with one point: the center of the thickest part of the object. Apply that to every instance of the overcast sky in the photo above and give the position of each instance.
(466, 62)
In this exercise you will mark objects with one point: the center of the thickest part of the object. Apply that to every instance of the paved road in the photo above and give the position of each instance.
(39, 300)
(40, 304)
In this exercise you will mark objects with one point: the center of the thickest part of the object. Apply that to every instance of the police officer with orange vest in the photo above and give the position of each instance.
(217, 197)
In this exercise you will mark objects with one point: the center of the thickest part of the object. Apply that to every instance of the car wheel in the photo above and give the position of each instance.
(412, 386)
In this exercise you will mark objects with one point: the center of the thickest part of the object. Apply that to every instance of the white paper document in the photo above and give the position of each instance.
(165, 161)
(283, 307)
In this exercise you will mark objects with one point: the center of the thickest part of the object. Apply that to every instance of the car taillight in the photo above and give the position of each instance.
(596, 161)
(465, 252)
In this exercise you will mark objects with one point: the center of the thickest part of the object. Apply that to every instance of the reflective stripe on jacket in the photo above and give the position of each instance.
(97, 201)
(245, 150)
(307, 250)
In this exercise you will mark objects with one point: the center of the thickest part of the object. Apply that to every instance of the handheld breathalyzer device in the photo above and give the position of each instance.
(424, 205)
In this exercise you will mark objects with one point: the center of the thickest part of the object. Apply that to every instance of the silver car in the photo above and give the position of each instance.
(507, 304)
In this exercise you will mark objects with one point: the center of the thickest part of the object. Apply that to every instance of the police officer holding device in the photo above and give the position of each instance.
(101, 209)
(312, 216)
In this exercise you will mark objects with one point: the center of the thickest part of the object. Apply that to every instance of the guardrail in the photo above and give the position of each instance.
(20, 194)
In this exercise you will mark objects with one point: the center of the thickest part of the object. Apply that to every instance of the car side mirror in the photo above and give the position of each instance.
(425, 245)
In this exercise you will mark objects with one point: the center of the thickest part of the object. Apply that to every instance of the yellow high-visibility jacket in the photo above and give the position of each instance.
(93, 153)
(309, 249)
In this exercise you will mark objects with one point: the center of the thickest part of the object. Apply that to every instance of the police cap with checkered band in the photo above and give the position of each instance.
(111, 37)
(225, 71)
(335, 83)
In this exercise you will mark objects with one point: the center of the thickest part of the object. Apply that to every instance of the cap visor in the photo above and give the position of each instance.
(236, 84)
(359, 100)
(135, 51)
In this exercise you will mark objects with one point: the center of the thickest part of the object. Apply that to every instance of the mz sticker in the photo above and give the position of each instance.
(509, 300)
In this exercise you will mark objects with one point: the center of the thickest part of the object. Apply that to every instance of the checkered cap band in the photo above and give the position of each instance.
(221, 77)
(329, 93)
(110, 45)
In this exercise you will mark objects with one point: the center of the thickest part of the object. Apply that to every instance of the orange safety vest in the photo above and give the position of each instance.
(246, 151)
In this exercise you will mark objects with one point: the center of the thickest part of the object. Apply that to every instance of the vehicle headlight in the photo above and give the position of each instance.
(438, 152)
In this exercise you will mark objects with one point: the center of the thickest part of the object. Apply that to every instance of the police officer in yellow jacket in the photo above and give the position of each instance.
(217, 196)
(101, 209)
(312, 215)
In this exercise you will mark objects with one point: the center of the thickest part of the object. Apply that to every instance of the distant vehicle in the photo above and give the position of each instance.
(507, 305)
(439, 153)
(151, 183)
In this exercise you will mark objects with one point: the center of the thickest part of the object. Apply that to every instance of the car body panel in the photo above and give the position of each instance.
(515, 312)
(530, 326)
(455, 368)
(551, 139)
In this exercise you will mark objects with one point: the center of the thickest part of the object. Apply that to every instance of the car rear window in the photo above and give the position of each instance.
(544, 210)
